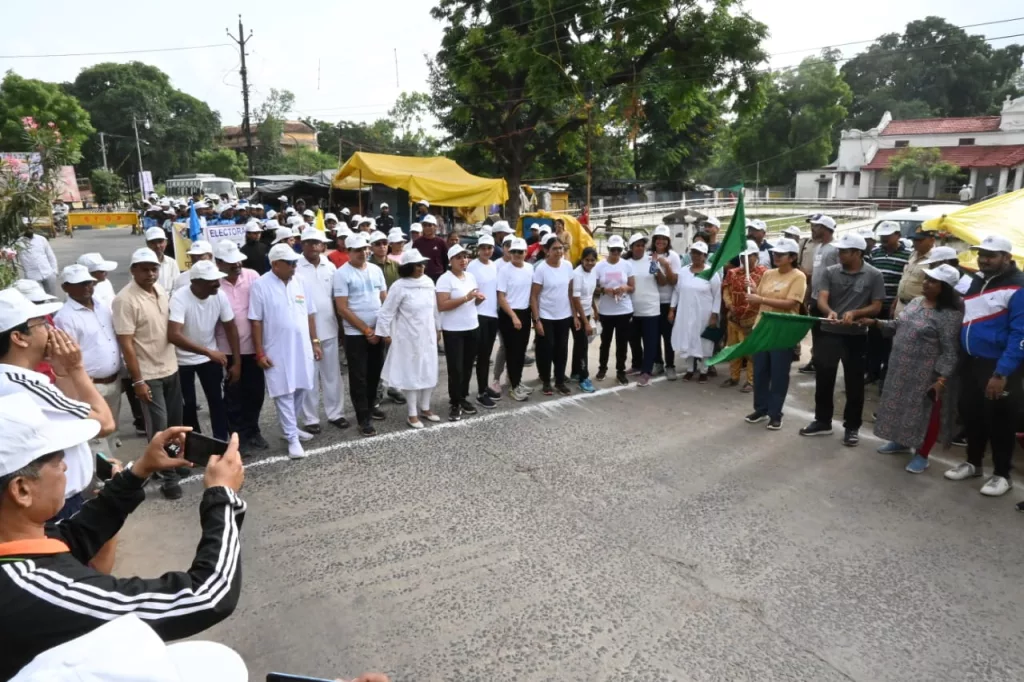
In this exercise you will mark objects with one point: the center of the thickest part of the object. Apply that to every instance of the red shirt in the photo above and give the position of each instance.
(436, 250)
(338, 257)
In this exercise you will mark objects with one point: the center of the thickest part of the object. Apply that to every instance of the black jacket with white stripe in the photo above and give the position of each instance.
(49, 595)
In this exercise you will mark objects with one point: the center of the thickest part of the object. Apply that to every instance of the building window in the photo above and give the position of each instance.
(842, 179)
(902, 143)
(966, 141)
(856, 179)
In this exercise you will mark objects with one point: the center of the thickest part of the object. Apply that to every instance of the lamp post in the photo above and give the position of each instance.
(138, 149)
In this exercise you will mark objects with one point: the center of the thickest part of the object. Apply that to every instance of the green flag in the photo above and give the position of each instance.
(772, 332)
(735, 240)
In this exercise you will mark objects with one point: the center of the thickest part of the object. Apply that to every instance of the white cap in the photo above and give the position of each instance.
(823, 220)
(282, 252)
(415, 227)
(282, 198)
(16, 309)
(271, 214)
(661, 231)
(33, 291)
(548, 238)
(783, 245)
(396, 237)
(383, 205)
(867, 233)
(413, 256)
(517, 244)
(424, 202)
(308, 213)
(792, 231)
(757, 224)
(356, 241)
(345, 211)
(712, 220)
(330, 216)
(429, 220)
(637, 237)
(144, 255)
(615, 242)
(295, 220)
(377, 236)
(944, 273)
(752, 249)
(29, 435)
(456, 250)
(994, 243)
(271, 224)
(850, 240)
(699, 246)
(367, 220)
(281, 234)
(154, 233)
(96, 263)
(501, 226)
(201, 204)
(342, 230)
(313, 234)
(76, 274)
(356, 218)
(545, 229)
(253, 226)
(486, 240)
(887, 227)
(508, 238)
(228, 251)
(940, 254)
(200, 247)
(205, 269)
(535, 226)
(486, 229)
(290, 211)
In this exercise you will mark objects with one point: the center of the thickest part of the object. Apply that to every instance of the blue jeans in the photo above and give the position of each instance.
(644, 342)
(771, 381)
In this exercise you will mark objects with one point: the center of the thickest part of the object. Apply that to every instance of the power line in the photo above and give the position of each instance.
(96, 54)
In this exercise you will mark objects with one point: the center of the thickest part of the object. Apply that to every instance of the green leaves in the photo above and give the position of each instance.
(915, 164)
(44, 102)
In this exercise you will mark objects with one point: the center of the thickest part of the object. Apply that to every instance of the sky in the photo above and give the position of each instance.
(339, 56)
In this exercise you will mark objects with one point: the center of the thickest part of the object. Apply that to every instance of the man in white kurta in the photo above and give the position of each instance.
(317, 274)
(284, 333)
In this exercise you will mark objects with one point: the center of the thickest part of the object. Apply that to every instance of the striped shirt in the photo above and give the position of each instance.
(891, 266)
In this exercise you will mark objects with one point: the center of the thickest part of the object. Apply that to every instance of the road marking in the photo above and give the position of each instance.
(548, 406)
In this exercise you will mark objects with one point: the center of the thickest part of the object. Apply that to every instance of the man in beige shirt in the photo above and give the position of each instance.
(912, 281)
(140, 312)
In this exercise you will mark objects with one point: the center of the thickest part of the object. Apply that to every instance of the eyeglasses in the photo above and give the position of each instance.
(43, 323)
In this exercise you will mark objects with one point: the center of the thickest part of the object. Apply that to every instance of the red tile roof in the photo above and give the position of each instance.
(938, 126)
(965, 157)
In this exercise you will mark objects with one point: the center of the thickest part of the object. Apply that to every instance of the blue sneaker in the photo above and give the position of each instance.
(893, 448)
(586, 386)
(918, 464)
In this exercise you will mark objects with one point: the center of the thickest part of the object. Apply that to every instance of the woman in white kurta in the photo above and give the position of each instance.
(694, 307)
(408, 321)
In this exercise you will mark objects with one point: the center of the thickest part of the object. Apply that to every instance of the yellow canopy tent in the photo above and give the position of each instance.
(1002, 215)
(349, 183)
(440, 181)
(581, 239)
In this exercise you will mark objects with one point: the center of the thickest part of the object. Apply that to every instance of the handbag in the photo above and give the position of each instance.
(712, 334)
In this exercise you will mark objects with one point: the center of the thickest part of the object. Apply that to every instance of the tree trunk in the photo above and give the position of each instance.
(513, 174)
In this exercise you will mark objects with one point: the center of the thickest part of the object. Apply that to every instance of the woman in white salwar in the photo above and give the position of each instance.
(408, 321)
(694, 308)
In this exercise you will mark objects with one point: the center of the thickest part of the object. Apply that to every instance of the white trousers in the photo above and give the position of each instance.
(418, 400)
(328, 377)
(288, 406)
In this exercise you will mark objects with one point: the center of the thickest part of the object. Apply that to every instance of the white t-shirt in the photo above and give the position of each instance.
(665, 290)
(516, 283)
(463, 318)
(554, 290)
(583, 285)
(362, 287)
(612, 276)
(646, 296)
(198, 318)
(487, 281)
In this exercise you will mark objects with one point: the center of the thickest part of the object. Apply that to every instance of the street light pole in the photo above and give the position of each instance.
(103, 149)
(138, 150)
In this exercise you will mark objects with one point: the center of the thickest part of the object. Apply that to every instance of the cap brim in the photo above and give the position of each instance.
(79, 280)
(291, 259)
(63, 434)
(234, 260)
(421, 259)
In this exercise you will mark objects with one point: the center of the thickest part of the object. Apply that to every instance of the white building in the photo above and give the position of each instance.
(988, 149)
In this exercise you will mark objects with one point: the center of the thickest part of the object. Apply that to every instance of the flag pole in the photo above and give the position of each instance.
(746, 268)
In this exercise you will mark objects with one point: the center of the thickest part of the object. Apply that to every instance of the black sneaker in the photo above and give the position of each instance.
(171, 490)
(960, 440)
(367, 430)
(807, 369)
(755, 417)
(467, 407)
(340, 423)
(492, 394)
(312, 428)
(816, 429)
(396, 396)
(601, 374)
(774, 424)
(455, 413)
(547, 390)
(378, 414)
(259, 442)
(485, 401)
(621, 378)
(563, 389)
(529, 361)
(851, 437)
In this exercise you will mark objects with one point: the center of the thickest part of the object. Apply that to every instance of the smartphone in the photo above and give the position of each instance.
(199, 448)
(285, 677)
(932, 395)
(104, 467)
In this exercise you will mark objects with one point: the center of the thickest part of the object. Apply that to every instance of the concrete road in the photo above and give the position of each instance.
(634, 534)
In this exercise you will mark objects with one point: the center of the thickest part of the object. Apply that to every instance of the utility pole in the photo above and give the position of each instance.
(241, 40)
(103, 150)
(138, 150)
(590, 167)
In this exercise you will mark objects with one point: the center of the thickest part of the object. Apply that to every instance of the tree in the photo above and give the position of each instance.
(114, 94)
(45, 103)
(516, 78)
(916, 164)
(107, 187)
(224, 163)
(934, 67)
(270, 117)
(794, 130)
(305, 161)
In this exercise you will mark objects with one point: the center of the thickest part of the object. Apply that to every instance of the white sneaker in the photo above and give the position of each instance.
(996, 486)
(519, 394)
(295, 450)
(962, 471)
(305, 435)
(526, 389)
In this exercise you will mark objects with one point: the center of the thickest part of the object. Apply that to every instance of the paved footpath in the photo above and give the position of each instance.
(634, 534)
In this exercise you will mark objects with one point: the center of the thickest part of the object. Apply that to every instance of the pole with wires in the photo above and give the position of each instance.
(246, 123)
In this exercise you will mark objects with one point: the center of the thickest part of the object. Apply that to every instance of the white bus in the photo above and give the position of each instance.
(200, 183)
